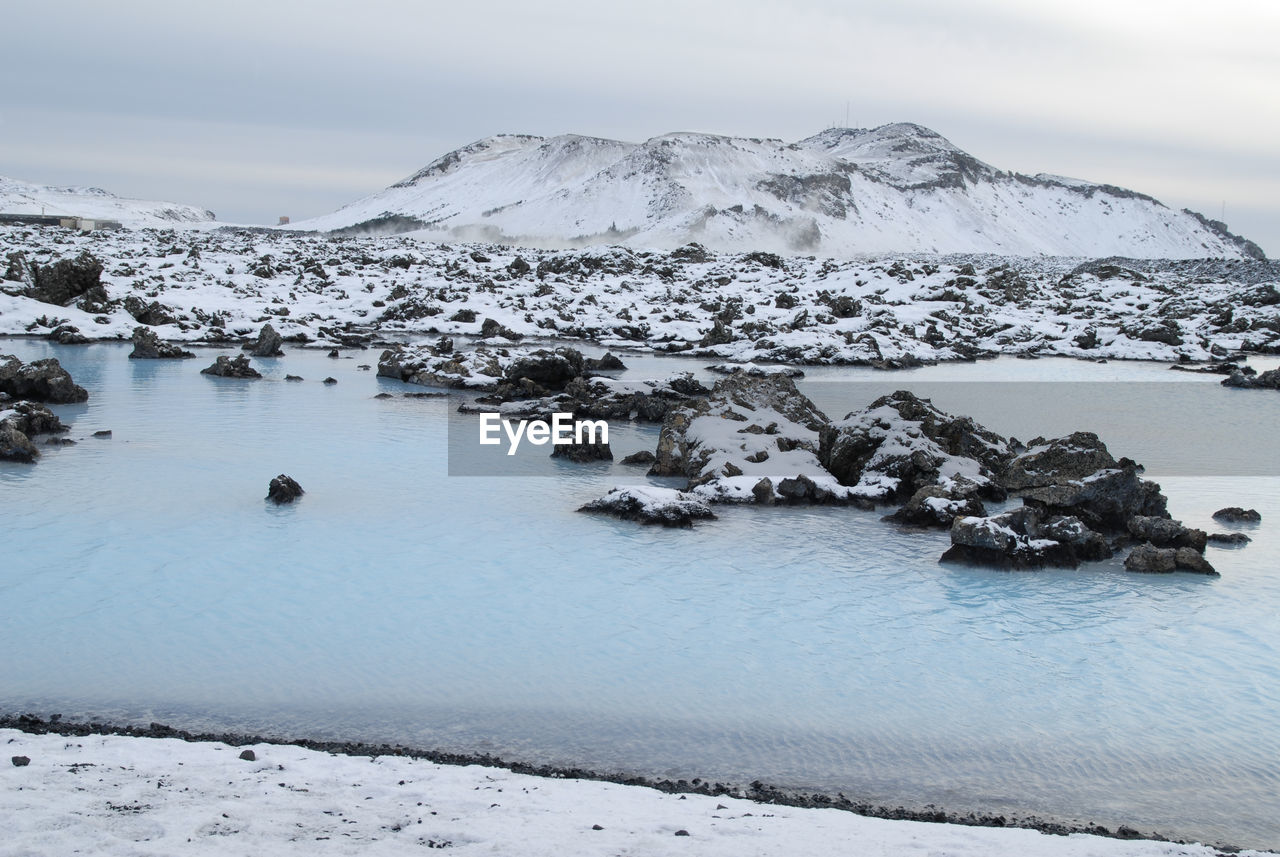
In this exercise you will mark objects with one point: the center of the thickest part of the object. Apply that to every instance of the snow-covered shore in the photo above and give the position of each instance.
(114, 795)
(887, 311)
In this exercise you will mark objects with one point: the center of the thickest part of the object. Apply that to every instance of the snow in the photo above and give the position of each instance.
(897, 188)
(899, 308)
(19, 197)
(113, 795)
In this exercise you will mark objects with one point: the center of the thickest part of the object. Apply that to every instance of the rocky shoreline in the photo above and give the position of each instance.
(757, 791)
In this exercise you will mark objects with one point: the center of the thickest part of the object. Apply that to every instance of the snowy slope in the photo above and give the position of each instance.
(897, 188)
(19, 197)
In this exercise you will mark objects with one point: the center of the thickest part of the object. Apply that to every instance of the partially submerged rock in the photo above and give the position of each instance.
(1163, 560)
(1237, 515)
(1024, 539)
(1052, 462)
(936, 506)
(42, 380)
(283, 489)
(901, 443)
(148, 346)
(650, 505)
(1269, 380)
(231, 367)
(267, 344)
(515, 372)
(1105, 500)
(15, 445)
(1166, 533)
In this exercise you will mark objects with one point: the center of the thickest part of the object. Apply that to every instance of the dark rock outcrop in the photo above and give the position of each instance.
(148, 346)
(643, 457)
(1236, 515)
(1269, 380)
(232, 367)
(68, 334)
(1105, 501)
(1024, 539)
(1157, 560)
(608, 362)
(582, 452)
(1231, 539)
(66, 280)
(283, 489)
(1166, 533)
(1051, 462)
(935, 506)
(32, 418)
(901, 443)
(153, 314)
(267, 344)
(42, 380)
(15, 445)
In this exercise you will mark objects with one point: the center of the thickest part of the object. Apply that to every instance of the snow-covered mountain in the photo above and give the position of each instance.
(19, 197)
(900, 188)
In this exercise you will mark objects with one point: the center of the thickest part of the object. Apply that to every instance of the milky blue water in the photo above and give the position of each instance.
(143, 578)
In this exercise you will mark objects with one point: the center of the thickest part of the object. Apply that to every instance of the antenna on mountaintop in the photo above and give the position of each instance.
(846, 114)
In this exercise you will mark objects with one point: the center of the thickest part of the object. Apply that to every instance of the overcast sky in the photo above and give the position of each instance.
(258, 109)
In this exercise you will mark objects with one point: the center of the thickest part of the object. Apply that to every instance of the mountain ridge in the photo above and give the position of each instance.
(27, 198)
(896, 188)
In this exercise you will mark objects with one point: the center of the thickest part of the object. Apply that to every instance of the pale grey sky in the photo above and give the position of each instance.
(256, 109)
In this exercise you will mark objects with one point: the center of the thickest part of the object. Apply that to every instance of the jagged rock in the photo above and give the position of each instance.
(293, 377)
(763, 492)
(148, 346)
(1236, 515)
(1269, 380)
(66, 280)
(267, 344)
(582, 452)
(248, 755)
(650, 505)
(329, 382)
(901, 443)
(1023, 538)
(1156, 560)
(610, 399)
(1166, 533)
(15, 445)
(1233, 539)
(66, 334)
(1049, 462)
(756, 370)
(283, 489)
(490, 328)
(152, 314)
(744, 429)
(551, 370)
(232, 367)
(1165, 331)
(608, 362)
(935, 506)
(1104, 501)
(32, 418)
(20, 761)
(519, 267)
(644, 456)
(42, 380)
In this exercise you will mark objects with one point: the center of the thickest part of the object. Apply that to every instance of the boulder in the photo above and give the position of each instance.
(66, 280)
(152, 314)
(148, 346)
(1023, 539)
(551, 370)
(283, 489)
(267, 344)
(1269, 380)
(231, 367)
(1104, 501)
(32, 418)
(67, 334)
(582, 452)
(1166, 533)
(643, 457)
(1050, 462)
(901, 443)
(1230, 539)
(651, 505)
(935, 506)
(1150, 559)
(1236, 515)
(42, 380)
(15, 445)
(608, 362)
(490, 327)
